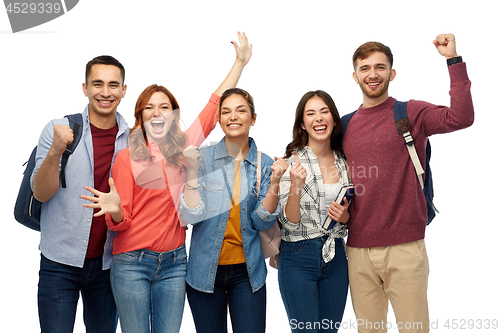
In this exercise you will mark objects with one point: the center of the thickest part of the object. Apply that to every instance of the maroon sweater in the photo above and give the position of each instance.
(389, 206)
(103, 141)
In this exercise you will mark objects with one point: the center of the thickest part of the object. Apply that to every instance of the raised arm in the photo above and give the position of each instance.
(290, 188)
(207, 119)
(438, 119)
(278, 168)
(243, 54)
(298, 176)
(46, 179)
(191, 189)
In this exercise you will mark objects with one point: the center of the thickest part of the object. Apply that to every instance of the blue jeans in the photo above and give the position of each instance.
(149, 290)
(314, 292)
(232, 287)
(59, 288)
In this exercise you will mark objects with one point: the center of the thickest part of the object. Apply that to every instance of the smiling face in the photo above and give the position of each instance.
(158, 116)
(318, 121)
(373, 75)
(236, 117)
(104, 89)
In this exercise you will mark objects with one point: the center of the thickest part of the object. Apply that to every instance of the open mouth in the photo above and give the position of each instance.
(157, 125)
(319, 128)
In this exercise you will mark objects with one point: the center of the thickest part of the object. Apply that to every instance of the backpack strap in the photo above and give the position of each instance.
(259, 157)
(404, 127)
(345, 121)
(75, 123)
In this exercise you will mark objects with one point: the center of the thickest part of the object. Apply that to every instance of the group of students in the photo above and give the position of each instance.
(161, 182)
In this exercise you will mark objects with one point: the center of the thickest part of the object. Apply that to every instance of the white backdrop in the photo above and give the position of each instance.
(297, 47)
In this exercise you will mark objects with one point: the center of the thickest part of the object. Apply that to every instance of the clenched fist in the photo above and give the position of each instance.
(63, 135)
(278, 168)
(445, 44)
(192, 155)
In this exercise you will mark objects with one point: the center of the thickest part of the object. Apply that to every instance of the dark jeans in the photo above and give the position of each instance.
(59, 288)
(232, 288)
(314, 292)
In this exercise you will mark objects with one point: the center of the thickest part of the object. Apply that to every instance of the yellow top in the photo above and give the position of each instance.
(232, 246)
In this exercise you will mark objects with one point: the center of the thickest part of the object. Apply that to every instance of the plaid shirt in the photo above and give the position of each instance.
(313, 210)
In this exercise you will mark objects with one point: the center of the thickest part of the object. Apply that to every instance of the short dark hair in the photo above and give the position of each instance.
(365, 50)
(104, 60)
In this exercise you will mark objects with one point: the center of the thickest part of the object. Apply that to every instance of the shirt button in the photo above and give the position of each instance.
(88, 220)
(84, 241)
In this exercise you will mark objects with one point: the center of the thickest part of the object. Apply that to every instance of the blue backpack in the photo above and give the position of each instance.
(403, 126)
(27, 209)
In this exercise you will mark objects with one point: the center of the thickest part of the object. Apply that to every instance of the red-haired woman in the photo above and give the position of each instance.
(149, 257)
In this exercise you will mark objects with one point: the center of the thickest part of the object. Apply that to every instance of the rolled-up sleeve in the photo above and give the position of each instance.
(261, 218)
(192, 215)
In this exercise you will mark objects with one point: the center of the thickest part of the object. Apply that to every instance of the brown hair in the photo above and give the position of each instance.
(300, 136)
(241, 92)
(365, 50)
(175, 140)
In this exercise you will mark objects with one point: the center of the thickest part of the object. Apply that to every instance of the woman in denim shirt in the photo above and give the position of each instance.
(226, 266)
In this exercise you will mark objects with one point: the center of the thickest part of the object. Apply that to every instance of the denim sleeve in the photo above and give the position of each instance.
(196, 214)
(260, 217)
(192, 215)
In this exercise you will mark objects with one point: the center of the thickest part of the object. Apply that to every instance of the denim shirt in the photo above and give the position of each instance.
(210, 216)
(64, 222)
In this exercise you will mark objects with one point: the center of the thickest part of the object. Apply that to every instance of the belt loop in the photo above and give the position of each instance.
(141, 255)
(176, 255)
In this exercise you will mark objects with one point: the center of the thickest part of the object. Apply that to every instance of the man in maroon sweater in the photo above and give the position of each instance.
(386, 250)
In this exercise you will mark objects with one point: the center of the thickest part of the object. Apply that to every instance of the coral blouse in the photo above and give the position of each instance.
(150, 193)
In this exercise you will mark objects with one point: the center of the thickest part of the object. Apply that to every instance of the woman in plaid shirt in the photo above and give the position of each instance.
(312, 269)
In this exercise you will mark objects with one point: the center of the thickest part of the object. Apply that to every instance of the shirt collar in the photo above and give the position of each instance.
(122, 123)
(221, 151)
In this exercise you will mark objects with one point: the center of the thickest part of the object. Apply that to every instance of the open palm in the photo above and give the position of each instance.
(108, 203)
